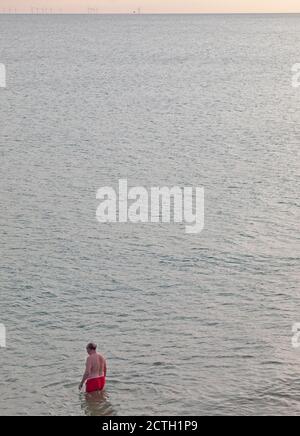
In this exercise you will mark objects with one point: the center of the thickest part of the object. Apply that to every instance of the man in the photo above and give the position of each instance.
(95, 371)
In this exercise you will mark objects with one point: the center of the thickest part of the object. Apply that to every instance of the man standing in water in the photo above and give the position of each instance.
(95, 371)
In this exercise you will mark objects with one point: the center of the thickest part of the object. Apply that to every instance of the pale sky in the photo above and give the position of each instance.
(154, 6)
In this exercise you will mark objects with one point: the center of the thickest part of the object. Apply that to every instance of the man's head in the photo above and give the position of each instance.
(91, 348)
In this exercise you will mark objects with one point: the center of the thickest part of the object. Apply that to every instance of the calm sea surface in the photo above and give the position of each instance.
(190, 324)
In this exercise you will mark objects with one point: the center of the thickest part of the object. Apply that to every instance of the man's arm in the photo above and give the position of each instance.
(86, 373)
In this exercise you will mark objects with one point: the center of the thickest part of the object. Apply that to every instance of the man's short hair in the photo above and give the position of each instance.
(91, 346)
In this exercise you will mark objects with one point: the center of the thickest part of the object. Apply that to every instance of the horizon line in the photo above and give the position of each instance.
(149, 13)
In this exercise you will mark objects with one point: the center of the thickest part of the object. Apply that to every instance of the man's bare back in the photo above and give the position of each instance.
(95, 365)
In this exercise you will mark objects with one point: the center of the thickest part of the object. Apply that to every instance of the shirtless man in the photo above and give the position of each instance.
(95, 371)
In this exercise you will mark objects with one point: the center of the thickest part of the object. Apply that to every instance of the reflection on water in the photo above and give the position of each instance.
(96, 404)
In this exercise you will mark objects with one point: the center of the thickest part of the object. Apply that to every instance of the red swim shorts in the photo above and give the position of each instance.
(95, 384)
